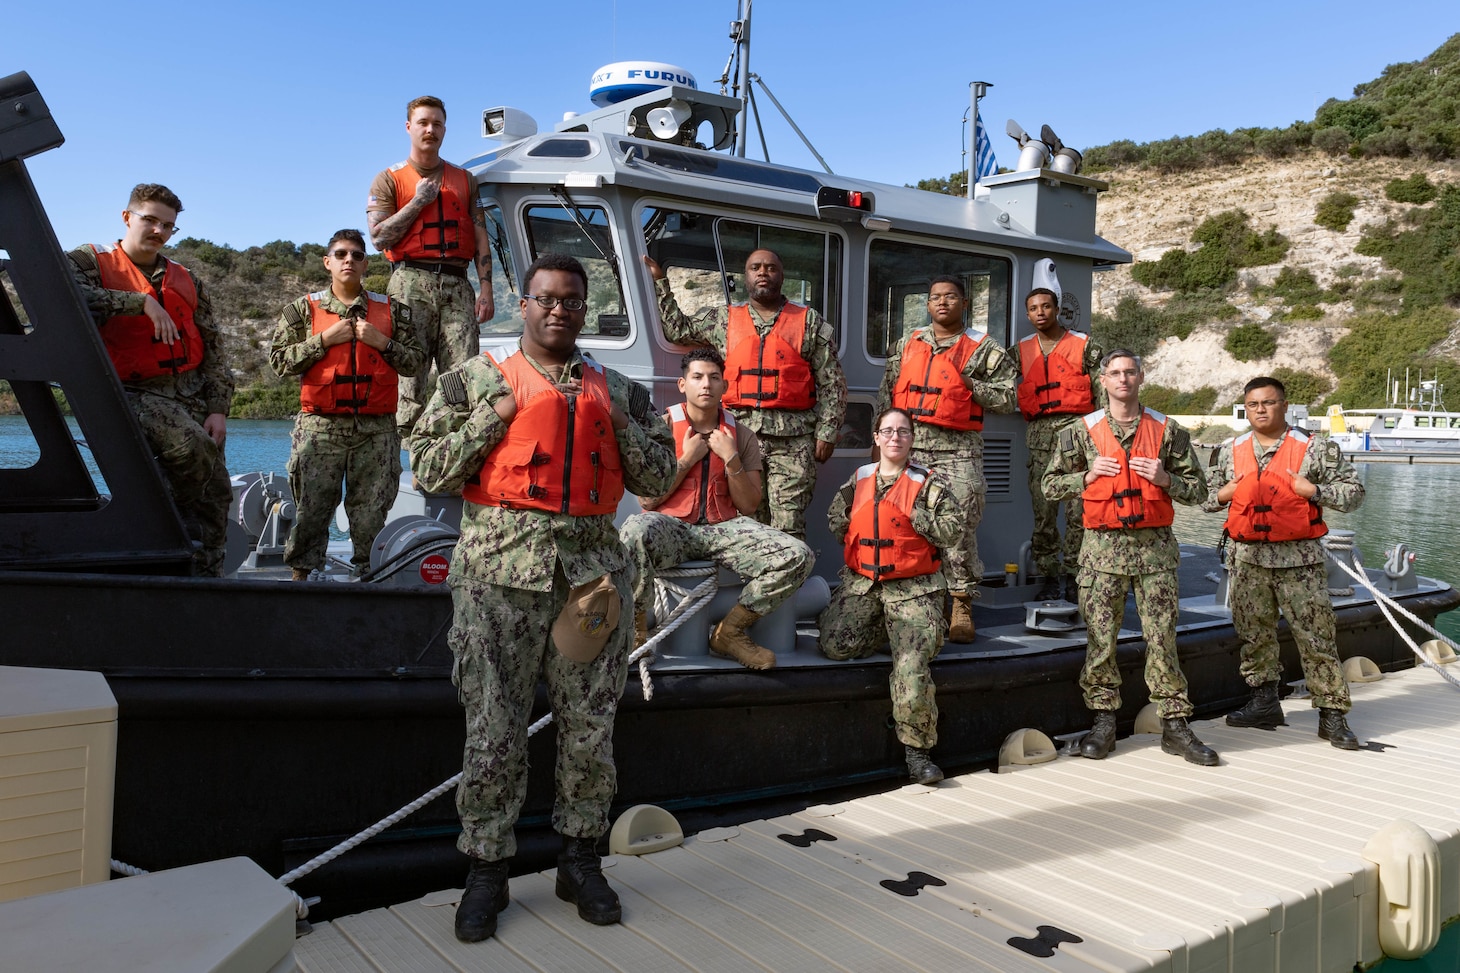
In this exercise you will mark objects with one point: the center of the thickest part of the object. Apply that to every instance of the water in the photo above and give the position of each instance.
(254, 445)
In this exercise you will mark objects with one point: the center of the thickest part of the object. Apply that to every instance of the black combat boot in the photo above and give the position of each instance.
(1049, 590)
(920, 767)
(1334, 728)
(1177, 738)
(485, 895)
(580, 880)
(1262, 711)
(1100, 740)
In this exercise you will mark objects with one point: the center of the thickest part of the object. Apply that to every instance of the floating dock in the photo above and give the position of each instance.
(1137, 862)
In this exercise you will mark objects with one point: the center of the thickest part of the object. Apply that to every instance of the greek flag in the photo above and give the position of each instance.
(985, 164)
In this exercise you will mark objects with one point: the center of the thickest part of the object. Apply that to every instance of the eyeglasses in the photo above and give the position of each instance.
(548, 303)
(154, 222)
(944, 299)
(1264, 404)
(890, 433)
(348, 254)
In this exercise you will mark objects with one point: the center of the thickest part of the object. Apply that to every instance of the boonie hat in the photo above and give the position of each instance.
(583, 626)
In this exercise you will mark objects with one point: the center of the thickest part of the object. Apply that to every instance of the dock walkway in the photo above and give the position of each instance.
(1137, 862)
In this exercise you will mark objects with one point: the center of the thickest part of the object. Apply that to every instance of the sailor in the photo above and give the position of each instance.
(946, 378)
(423, 214)
(1128, 464)
(894, 519)
(157, 324)
(1277, 481)
(796, 407)
(1059, 372)
(707, 513)
(348, 346)
(542, 442)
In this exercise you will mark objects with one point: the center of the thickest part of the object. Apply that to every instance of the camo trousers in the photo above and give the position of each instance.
(328, 453)
(195, 469)
(772, 563)
(1045, 544)
(1102, 601)
(854, 626)
(1257, 593)
(443, 310)
(964, 470)
(501, 641)
(790, 480)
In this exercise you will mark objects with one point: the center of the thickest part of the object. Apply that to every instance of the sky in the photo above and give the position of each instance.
(270, 119)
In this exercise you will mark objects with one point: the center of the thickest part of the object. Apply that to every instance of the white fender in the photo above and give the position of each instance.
(1360, 669)
(643, 829)
(1409, 888)
(1024, 748)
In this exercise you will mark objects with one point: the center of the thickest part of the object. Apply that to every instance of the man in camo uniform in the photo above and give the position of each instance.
(135, 294)
(422, 213)
(792, 440)
(1129, 464)
(522, 553)
(1278, 481)
(949, 422)
(707, 514)
(347, 345)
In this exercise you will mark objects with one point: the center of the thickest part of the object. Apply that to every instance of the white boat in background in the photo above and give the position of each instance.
(1421, 425)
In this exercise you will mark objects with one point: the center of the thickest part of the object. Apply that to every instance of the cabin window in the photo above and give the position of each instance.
(584, 232)
(705, 257)
(508, 319)
(1421, 422)
(897, 291)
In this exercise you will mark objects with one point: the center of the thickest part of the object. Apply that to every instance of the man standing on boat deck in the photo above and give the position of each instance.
(422, 213)
(347, 345)
(796, 407)
(541, 441)
(1278, 480)
(157, 324)
(1059, 381)
(1128, 464)
(708, 511)
(945, 378)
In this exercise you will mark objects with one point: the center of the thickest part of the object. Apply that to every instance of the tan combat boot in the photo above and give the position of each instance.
(641, 627)
(960, 623)
(730, 641)
(299, 574)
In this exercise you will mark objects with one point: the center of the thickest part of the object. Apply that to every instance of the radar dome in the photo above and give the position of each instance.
(622, 80)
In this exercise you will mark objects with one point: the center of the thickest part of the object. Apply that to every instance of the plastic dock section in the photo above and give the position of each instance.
(1290, 855)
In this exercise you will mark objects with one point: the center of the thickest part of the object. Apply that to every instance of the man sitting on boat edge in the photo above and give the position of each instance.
(708, 513)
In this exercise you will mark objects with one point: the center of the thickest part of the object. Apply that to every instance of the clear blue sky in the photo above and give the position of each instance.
(269, 119)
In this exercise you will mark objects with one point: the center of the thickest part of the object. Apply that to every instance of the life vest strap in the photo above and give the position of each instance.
(877, 541)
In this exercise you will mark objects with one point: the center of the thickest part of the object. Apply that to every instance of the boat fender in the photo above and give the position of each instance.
(644, 829)
(1148, 720)
(1438, 652)
(1023, 749)
(1409, 888)
(1362, 669)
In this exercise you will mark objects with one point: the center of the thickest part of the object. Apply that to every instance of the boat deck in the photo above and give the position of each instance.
(1138, 862)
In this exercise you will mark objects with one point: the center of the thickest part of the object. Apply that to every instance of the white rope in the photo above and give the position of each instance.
(1386, 603)
(691, 601)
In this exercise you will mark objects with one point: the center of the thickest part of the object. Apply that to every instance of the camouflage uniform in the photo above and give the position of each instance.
(360, 453)
(906, 613)
(1291, 576)
(510, 576)
(1042, 436)
(958, 453)
(1142, 558)
(171, 410)
(787, 437)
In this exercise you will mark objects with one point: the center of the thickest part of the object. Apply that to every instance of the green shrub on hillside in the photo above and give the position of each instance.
(1416, 189)
(1227, 243)
(1173, 402)
(1428, 256)
(278, 399)
(1245, 247)
(1294, 285)
(1133, 326)
(1336, 211)
(1304, 388)
(1378, 343)
(1303, 312)
(1250, 342)
(1333, 140)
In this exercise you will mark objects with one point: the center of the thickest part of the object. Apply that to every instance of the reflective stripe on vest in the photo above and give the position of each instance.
(1054, 384)
(130, 338)
(441, 231)
(703, 496)
(881, 543)
(559, 454)
(930, 384)
(767, 373)
(352, 378)
(1127, 500)
(1265, 507)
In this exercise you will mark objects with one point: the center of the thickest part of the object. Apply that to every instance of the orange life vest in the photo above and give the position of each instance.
(129, 340)
(1054, 384)
(352, 378)
(559, 453)
(703, 496)
(930, 384)
(767, 373)
(1127, 500)
(1265, 506)
(881, 543)
(441, 231)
